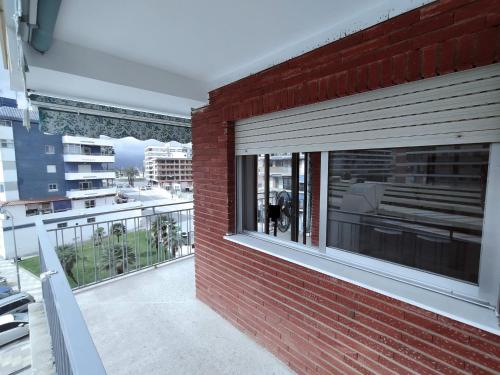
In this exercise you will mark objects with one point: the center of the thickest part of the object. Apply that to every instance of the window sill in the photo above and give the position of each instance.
(464, 311)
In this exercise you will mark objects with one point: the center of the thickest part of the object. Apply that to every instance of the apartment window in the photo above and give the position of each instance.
(414, 213)
(420, 207)
(275, 204)
(53, 187)
(85, 185)
(6, 143)
(71, 148)
(90, 203)
(51, 168)
(62, 225)
(50, 149)
(91, 220)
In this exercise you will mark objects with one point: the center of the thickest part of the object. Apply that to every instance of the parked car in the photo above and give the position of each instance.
(16, 303)
(142, 188)
(13, 327)
(148, 187)
(5, 291)
(3, 280)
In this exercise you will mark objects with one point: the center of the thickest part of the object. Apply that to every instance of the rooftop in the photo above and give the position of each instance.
(154, 316)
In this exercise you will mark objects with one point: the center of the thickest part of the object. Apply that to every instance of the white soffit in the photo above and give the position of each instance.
(185, 48)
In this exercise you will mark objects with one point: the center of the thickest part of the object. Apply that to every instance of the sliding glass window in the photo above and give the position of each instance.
(420, 207)
(282, 195)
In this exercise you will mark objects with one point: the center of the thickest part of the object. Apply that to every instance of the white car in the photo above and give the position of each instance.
(13, 327)
(15, 303)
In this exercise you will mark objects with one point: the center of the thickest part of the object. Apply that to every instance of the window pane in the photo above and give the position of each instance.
(282, 196)
(280, 176)
(421, 207)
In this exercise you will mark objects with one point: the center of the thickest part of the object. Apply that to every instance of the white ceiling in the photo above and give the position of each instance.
(184, 48)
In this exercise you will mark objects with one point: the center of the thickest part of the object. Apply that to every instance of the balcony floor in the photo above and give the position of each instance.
(151, 323)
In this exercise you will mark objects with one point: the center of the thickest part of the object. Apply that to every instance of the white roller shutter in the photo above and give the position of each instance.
(456, 108)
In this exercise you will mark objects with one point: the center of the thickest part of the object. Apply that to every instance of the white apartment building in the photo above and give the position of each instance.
(169, 165)
(8, 172)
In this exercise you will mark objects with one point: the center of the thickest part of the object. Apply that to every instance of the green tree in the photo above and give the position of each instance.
(166, 233)
(130, 173)
(67, 257)
(98, 236)
(118, 257)
(118, 229)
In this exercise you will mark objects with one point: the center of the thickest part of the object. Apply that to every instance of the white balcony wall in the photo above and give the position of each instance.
(89, 175)
(76, 194)
(67, 139)
(6, 132)
(8, 154)
(77, 158)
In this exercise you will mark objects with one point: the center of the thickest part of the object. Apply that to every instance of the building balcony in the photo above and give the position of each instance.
(90, 193)
(93, 175)
(88, 158)
(68, 139)
(177, 332)
(179, 324)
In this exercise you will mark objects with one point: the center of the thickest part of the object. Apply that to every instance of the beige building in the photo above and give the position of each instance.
(169, 166)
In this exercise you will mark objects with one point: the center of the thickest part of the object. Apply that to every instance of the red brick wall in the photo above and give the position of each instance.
(313, 322)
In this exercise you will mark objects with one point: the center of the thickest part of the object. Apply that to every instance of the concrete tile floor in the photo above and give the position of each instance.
(151, 323)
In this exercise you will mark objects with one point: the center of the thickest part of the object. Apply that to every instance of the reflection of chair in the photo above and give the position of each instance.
(385, 244)
(431, 253)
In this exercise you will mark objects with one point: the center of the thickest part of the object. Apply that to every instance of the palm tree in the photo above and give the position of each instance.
(118, 229)
(118, 257)
(130, 173)
(98, 236)
(165, 232)
(67, 257)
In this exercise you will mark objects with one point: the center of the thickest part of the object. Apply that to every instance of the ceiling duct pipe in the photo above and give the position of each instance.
(41, 37)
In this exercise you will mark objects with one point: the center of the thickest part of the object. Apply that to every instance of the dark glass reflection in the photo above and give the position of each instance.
(421, 207)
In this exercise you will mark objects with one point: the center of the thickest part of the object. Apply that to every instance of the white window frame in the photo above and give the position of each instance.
(51, 168)
(53, 189)
(6, 143)
(50, 150)
(90, 205)
(484, 294)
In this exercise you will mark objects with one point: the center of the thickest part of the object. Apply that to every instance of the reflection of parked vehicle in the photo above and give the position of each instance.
(15, 303)
(13, 327)
(3, 280)
(5, 291)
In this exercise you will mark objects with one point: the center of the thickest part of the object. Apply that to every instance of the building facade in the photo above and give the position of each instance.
(88, 171)
(44, 174)
(169, 166)
(401, 273)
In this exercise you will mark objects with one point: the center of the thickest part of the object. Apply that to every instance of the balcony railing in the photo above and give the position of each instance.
(73, 349)
(111, 153)
(107, 247)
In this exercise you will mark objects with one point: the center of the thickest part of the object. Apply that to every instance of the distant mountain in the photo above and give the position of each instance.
(129, 151)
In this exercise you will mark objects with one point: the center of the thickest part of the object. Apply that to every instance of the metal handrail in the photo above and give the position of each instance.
(73, 348)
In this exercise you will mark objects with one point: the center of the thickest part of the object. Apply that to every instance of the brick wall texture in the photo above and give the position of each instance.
(313, 322)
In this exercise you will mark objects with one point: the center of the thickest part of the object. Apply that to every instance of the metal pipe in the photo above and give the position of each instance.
(16, 258)
(15, 253)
